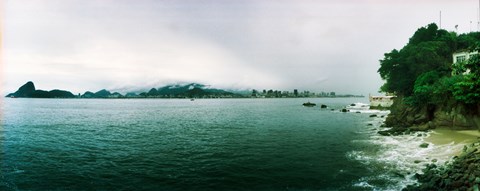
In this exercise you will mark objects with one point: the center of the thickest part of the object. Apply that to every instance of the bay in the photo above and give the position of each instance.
(178, 144)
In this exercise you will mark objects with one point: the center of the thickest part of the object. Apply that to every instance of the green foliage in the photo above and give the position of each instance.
(467, 89)
(424, 87)
(424, 34)
(421, 70)
(428, 49)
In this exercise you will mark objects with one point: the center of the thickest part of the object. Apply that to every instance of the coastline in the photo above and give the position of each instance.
(443, 136)
(452, 140)
(454, 161)
(462, 172)
(405, 158)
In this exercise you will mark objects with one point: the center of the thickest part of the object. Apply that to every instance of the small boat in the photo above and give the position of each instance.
(308, 104)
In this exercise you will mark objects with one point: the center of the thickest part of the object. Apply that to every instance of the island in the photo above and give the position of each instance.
(28, 91)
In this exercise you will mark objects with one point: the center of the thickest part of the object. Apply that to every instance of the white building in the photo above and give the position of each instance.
(462, 58)
(381, 101)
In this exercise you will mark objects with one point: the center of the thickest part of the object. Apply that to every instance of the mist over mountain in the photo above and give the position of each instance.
(190, 90)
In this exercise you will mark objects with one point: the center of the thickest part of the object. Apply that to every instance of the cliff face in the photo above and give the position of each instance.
(449, 115)
(457, 117)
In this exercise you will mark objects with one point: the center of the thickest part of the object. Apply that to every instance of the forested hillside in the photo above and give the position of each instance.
(427, 83)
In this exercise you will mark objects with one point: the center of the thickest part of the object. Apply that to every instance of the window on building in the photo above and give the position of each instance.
(461, 58)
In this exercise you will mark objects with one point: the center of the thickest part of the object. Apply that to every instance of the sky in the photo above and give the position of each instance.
(88, 45)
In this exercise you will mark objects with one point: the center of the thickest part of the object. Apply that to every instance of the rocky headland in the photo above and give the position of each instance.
(434, 91)
(453, 115)
(462, 172)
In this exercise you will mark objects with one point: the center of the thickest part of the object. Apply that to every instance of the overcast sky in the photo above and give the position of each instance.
(81, 45)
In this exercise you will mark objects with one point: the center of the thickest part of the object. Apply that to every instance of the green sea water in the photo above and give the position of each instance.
(178, 144)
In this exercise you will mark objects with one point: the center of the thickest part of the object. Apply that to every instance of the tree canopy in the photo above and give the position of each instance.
(421, 70)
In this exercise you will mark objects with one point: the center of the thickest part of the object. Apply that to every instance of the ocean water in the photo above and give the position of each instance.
(206, 144)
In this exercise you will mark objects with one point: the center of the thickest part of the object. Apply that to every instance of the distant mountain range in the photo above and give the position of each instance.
(28, 90)
(192, 90)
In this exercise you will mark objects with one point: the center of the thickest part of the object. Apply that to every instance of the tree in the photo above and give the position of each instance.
(467, 90)
(426, 51)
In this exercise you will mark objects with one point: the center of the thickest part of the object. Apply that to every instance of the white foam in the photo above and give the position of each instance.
(373, 111)
(363, 184)
(398, 157)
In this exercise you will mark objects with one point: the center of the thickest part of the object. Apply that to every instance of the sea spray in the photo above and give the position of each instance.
(396, 159)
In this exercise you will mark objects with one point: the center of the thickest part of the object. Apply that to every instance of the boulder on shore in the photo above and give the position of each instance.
(424, 145)
(462, 173)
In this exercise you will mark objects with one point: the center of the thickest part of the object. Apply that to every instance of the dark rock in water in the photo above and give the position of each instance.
(424, 145)
(24, 91)
(417, 161)
(384, 133)
(434, 160)
(374, 115)
(358, 112)
(308, 104)
(393, 131)
(332, 109)
(323, 106)
(369, 124)
(344, 110)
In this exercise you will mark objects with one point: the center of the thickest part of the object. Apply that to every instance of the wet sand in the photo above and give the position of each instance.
(446, 136)
(450, 141)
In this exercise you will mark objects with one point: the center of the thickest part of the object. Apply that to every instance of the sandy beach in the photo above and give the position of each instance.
(452, 140)
(446, 136)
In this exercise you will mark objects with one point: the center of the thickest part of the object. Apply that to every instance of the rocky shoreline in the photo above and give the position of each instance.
(461, 173)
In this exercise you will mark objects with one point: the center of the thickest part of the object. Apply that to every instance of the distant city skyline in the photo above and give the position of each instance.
(310, 45)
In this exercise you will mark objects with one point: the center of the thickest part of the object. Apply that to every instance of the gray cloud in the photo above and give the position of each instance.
(314, 45)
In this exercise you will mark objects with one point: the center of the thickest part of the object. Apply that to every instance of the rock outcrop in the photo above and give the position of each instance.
(463, 173)
(449, 115)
